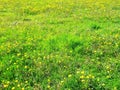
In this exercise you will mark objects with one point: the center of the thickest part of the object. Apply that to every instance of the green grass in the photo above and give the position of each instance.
(59, 45)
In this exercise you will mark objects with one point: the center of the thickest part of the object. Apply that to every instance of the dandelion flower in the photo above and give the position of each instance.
(13, 88)
(82, 72)
(82, 77)
(5, 85)
(22, 89)
(48, 86)
(69, 75)
(82, 80)
(18, 85)
(26, 66)
(16, 80)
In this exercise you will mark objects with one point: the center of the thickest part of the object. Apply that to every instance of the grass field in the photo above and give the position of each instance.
(59, 44)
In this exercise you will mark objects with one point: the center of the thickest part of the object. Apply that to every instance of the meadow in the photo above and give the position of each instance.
(59, 44)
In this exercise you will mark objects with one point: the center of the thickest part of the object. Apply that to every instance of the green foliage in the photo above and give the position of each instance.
(59, 45)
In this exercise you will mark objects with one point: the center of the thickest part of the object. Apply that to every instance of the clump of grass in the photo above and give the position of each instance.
(95, 27)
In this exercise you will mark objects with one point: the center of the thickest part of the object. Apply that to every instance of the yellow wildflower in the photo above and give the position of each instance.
(82, 72)
(22, 89)
(26, 81)
(5, 85)
(82, 77)
(13, 88)
(82, 80)
(26, 66)
(69, 75)
(18, 85)
(16, 80)
(48, 86)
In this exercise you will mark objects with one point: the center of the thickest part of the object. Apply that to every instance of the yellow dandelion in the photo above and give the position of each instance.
(25, 55)
(78, 72)
(5, 85)
(82, 72)
(93, 77)
(13, 88)
(69, 75)
(26, 66)
(107, 67)
(40, 63)
(71, 51)
(82, 80)
(16, 80)
(90, 75)
(18, 54)
(48, 80)
(26, 81)
(108, 76)
(87, 77)
(18, 85)
(8, 82)
(95, 51)
(48, 86)
(82, 77)
(62, 81)
(103, 84)
(22, 89)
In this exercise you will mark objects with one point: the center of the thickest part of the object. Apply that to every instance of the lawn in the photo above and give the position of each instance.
(59, 44)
